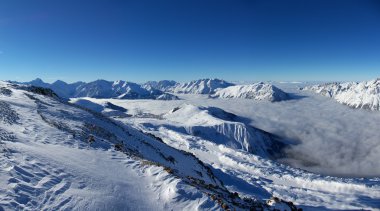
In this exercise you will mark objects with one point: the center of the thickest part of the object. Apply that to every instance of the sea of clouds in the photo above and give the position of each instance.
(329, 138)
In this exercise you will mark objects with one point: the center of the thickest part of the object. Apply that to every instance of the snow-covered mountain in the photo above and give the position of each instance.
(159, 90)
(201, 86)
(58, 156)
(104, 89)
(257, 91)
(364, 95)
(221, 127)
(38, 82)
(164, 85)
(64, 89)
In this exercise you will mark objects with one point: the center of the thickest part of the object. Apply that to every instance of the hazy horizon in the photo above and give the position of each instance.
(50, 81)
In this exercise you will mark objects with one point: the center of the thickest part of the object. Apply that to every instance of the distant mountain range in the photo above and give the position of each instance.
(103, 89)
(201, 86)
(162, 90)
(364, 95)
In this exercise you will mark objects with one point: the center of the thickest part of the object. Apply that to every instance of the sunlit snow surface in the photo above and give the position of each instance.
(329, 138)
(44, 165)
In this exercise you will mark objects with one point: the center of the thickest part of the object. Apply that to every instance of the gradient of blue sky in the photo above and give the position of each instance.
(188, 39)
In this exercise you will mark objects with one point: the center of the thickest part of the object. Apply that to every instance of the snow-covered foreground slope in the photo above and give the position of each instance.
(247, 173)
(256, 91)
(55, 156)
(364, 95)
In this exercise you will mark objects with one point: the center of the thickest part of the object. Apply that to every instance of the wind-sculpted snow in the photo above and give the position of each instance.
(5, 91)
(7, 114)
(257, 91)
(364, 95)
(64, 157)
(201, 86)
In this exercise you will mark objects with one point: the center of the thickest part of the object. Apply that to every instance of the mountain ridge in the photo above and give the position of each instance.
(103, 89)
(256, 91)
(358, 95)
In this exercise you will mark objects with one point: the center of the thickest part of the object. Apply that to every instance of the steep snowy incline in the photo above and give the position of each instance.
(60, 157)
(365, 95)
(48, 164)
(257, 91)
(201, 86)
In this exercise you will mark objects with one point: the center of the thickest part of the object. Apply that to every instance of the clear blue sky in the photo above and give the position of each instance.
(143, 40)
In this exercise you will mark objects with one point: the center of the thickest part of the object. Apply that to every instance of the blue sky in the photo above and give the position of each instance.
(188, 39)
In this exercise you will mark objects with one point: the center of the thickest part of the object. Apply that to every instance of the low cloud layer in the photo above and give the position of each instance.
(333, 139)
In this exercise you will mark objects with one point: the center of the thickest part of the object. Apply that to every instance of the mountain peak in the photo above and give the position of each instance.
(37, 80)
(257, 91)
(59, 82)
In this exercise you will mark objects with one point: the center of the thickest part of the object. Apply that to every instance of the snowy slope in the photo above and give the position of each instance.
(56, 156)
(257, 91)
(364, 95)
(201, 86)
